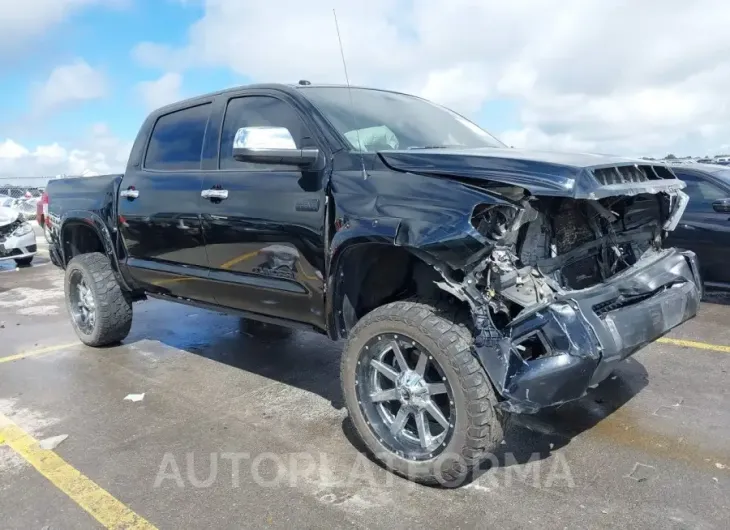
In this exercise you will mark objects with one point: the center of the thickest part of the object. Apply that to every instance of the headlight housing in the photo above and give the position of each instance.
(23, 229)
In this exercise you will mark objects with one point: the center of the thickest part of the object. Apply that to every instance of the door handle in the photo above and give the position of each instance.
(214, 194)
(130, 193)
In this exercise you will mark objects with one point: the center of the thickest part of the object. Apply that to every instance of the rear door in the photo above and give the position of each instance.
(159, 206)
(265, 241)
(702, 229)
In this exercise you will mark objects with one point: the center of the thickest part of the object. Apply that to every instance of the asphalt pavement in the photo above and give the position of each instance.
(195, 423)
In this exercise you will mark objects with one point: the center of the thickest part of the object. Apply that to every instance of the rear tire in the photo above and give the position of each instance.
(102, 315)
(24, 262)
(475, 427)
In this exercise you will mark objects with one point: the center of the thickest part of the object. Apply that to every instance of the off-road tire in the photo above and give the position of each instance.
(443, 329)
(24, 262)
(263, 329)
(113, 304)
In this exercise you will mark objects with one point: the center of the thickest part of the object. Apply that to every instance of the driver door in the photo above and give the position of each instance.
(263, 223)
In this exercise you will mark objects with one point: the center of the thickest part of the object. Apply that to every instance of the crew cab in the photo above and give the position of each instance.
(469, 280)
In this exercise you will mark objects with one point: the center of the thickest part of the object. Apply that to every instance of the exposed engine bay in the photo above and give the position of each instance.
(554, 288)
(564, 244)
(549, 246)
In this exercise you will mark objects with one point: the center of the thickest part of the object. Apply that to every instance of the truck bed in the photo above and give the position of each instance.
(94, 194)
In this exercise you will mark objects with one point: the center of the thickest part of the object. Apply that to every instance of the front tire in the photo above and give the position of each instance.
(101, 312)
(408, 369)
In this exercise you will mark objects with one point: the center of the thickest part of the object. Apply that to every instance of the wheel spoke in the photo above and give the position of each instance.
(399, 356)
(384, 369)
(424, 431)
(436, 388)
(434, 411)
(384, 395)
(399, 422)
(421, 365)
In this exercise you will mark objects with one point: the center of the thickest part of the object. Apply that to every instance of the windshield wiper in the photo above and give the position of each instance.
(445, 146)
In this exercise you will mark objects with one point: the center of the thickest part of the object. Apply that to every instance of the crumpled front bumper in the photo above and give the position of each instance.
(17, 247)
(586, 333)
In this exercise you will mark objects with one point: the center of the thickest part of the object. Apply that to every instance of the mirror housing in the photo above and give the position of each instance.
(721, 205)
(271, 145)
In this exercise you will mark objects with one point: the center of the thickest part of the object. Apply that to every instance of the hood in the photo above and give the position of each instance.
(577, 176)
(8, 215)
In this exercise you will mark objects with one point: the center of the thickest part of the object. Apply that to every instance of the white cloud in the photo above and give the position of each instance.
(161, 91)
(68, 84)
(630, 77)
(462, 88)
(23, 20)
(99, 152)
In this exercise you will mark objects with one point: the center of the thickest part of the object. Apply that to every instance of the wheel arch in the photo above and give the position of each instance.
(367, 272)
(83, 232)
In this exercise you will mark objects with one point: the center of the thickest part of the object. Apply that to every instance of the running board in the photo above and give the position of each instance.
(238, 312)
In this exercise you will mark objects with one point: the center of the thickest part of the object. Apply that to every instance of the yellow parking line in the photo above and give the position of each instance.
(173, 280)
(239, 259)
(40, 351)
(99, 503)
(694, 344)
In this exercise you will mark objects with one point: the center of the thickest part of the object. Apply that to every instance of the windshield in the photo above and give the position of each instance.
(375, 120)
(722, 173)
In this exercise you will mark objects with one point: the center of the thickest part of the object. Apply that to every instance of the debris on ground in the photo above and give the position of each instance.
(641, 472)
(49, 444)
(718, 465)
(134, 397)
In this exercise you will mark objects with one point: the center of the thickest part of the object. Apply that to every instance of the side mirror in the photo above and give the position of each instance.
(270, 145)
(721, 205)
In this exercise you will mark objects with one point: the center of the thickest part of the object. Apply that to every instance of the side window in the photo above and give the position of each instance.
(177, 140)
(701, 193)
(252, 111)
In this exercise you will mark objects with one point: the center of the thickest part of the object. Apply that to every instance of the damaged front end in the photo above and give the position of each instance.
(565, 288)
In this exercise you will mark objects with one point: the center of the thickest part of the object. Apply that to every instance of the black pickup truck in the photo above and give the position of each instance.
(470, 281)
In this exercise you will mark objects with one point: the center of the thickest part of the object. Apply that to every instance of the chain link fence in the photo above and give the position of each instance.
(18, 187)
(22, 194)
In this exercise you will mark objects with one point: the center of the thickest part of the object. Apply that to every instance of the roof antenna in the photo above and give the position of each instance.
(352, 104)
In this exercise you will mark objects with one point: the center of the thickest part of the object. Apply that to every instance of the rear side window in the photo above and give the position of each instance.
(177, 140)
(251, 111)
(701, 192)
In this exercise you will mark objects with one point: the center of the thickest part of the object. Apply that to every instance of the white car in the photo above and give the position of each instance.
(17, 238)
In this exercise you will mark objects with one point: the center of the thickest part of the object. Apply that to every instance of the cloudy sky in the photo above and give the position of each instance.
(634, 77)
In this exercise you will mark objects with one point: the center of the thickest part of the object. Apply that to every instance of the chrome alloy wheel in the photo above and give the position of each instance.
(405, 396)
(82, 304)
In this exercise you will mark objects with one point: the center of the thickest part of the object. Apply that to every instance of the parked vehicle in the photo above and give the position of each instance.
(26, 206)
(17, 239)
(705, 225)
(42, 216)
(470, 280)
